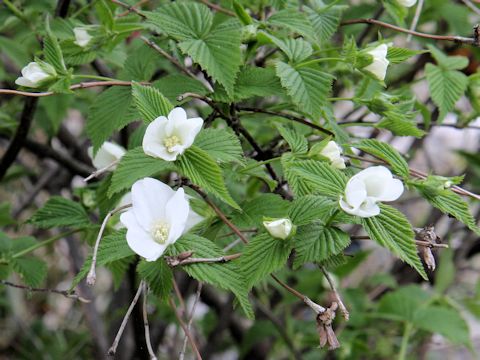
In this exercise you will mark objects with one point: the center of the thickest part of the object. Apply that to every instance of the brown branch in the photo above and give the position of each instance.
(67, 294)
(145, 323)
(338, 298)
(133, 8)
(82, 85)
(128, 7)
(418, 242)
(20, 136)
(190, 320)
(475, 41)
(217, 8)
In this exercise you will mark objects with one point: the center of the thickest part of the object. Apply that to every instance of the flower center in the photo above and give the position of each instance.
(171, 142)
(160, 232)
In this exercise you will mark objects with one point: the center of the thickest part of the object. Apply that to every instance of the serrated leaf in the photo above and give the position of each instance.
(175, 85)
(392, 230)
(141, 64)
(226, 276)
(296, 141)
(52, 51)
(294, 20)
(448, 62)
(264, 205)
(307, 209)
(202, 170)
(150, 102)
(255, 81)
(308, 87)
(220, 144)
(31, 270)
(385, 152)
(446, 87)
(315, 177)
(296, 50)
(262, 256)
(133, 166)
(158, 276)
(397, 55)
(111, 111)
(58, 212)
(316, 243)
(325, 21)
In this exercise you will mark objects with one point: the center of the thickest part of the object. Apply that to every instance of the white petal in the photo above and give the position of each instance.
(22, 81)
(106, 155)
(279, 228)
(392, 191)
(188, 129)
(355, 192)
(149, 199)
(192, 220)
(177, 210)
(407, 3)
(177, 114)
(139, 240)
(153, 140)
(380, 63)
(368, 209)
(82, 38)
(339, 163)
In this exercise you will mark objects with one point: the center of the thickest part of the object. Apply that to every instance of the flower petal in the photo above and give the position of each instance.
(187, 130)
(153, 140)
(368, 209)
(177, 114)
(149, 199)
(177, 210)
(106, 155)
(22, 81)
(392, 191)
(139, 240)
(355, 192)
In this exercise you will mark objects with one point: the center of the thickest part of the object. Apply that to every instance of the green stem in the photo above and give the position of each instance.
(316, 61)
(341, 99)
(260, 163)
(94, 77)
(406, 337)
(15, 10)
(44, 243)
(330, 219)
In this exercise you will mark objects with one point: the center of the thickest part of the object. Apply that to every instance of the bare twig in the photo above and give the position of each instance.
(134, 6)
(174, 261)
(113, 348)
(91, 277)
(190, 319)
(217, 8)
(99, 172)
(128, 7)
(338, 298)
(418, 242)
(475, 41)
(472, 6)
(145, 323)
(69, 295)
(418, 12)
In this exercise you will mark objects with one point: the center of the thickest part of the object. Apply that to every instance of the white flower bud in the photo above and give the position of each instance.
(379, 65)
(33, 74)
(407, 3)
(82, 38)
(334, 153)
(279, 228)
(108, 154)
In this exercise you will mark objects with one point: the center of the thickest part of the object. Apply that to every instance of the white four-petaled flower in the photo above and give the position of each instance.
(334, 153)
(279, 228)
(166, 138)
(368, 187)
(407, 3)
(158, 217)
(82, 37)
(33, 74)
(108, 154)
(379, 65)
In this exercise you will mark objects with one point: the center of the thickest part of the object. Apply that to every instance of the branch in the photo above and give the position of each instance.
(217, 8)
(20, 135)
(475, 41)
(101, 171)
(190, 320)
(113, 348)
(145, 323)
(69, 295)
(128, 7)
(92, 276)
(82, 85)
(338, 298)
(185, 259)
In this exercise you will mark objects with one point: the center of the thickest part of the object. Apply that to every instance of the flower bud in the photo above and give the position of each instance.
(82, 38)
(34, 74)
(279, 228)
(407, 3)
(379, 64)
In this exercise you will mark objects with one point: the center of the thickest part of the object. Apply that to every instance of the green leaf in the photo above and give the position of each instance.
(308, 87)
(220, 144)
(294, 20)
(141, 64)
(316, 243)
(307, 209)
(315, 177)
(58, 212)
(242, 14)
(133, 166)
(158, 276)
(175, 85)
(150, 102)
(214, 46)
(262, 256)
(296, 50)
(397, 55)
(325, 20)
(393, 231)
(202, 170)
(52, 51)
(296, 141)
(111, 111)
(5, 217)
(403, 304)
(448, 62)
(255, 81)
(446, 87)
(31, 270)
(385, 152)
(264, 205)
(226, 276)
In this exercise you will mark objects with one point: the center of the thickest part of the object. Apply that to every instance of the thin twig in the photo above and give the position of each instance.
(69, 295)
(190, 319)
(174, 261)
(99, 172)
(82, 85)
(217, 8)
(113, 348)
(418, 12)
(185, 329)
(131, 9)
(145, 323)
(417, 242)
(338, 298)
(92, 276)
(475, 41)
(472, 6)
(128, 7)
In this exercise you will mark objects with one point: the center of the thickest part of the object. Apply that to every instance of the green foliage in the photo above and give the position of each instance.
(226, 276)
(150, 102)
(158, 276)
(325, 20)
(392, 230)
(58, 212)
(52, 51)
(298, 144)
(306, 209)
(222, 145)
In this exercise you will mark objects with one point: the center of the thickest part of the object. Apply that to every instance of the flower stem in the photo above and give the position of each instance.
(45, 243)
(406, 337)
(15, 10)
(316, 61)
(94, 77)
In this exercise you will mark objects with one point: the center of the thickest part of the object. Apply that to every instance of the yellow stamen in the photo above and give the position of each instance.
(171, 142)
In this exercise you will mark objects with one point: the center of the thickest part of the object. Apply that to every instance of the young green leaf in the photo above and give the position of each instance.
(306, 209)
(150, 102)
(31, 270)
(58, 212)
(291, 18)
(325, 20)
(220, 144)
(297, 142)
(158, 276)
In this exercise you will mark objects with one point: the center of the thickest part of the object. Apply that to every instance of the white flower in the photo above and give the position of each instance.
(158, 217)
(168, 138)
(82, 38)
(33, 74)
(407, 3)
(334, 153)
(279, 228)
(366, 188)
(378, 67)
(106, 155)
